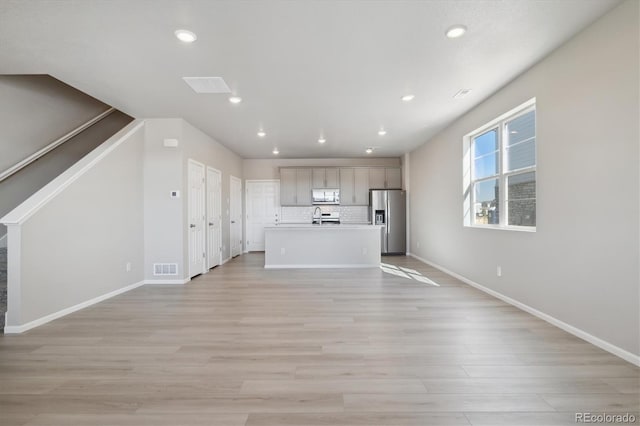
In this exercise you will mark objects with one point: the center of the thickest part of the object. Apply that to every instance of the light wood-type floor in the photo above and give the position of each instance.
(246, 346)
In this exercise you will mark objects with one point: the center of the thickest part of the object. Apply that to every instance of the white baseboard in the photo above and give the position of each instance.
(166, 282)
(364, 265)
(602, 344)
(16, 329)
(225, 260)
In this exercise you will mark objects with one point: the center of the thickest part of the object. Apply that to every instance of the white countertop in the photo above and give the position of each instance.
(323, 226)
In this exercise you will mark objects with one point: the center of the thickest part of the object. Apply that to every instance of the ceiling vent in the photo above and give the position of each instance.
(461, 93)
(207, 84)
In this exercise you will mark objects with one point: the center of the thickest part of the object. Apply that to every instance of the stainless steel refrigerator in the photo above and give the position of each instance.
(388, 207)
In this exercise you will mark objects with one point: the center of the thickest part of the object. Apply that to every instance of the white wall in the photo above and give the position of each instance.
(76, 246)
(202, 148)
(270, 168)
(581, 266)
(163, 217)
(165, 169)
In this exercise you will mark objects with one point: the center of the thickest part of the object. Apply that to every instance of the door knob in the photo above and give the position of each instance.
(192, 226)
(233, 221)
(210, 223)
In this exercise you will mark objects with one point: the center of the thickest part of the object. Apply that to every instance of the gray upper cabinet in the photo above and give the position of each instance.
(354, 186)
(331, 178)
(347, 186)
(303, 187)
(385, 178)
(324, 178)
(376, 178)
(393, 178)
(288, 187)
(354, 183)
(361, 187)
(318, 178)
(295, 187)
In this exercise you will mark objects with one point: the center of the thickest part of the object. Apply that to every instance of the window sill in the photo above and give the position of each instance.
(504, 228)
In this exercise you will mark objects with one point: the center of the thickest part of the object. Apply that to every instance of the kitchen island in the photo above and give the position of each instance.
(322, 246)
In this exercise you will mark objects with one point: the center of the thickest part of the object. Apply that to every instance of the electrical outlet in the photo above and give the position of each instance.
(499, 271)
(282, 250)
(127, 267)
(417, 244)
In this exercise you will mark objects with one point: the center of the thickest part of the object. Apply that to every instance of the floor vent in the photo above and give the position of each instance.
(165, 269)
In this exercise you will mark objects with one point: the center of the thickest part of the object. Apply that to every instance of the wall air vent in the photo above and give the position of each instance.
(165, 269)
(207, 84)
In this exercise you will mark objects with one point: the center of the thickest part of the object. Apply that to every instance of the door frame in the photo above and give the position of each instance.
(233, 178)
(203, 194)
(246, 203)
(218, 200)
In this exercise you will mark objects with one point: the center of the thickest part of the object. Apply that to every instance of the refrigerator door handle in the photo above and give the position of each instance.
(388, 224)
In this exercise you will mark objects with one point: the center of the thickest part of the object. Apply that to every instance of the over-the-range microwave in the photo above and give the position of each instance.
(325, 196)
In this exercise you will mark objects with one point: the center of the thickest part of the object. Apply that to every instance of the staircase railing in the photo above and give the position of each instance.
(53, 145)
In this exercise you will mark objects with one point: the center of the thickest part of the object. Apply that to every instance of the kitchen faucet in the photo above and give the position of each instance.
(317, 213)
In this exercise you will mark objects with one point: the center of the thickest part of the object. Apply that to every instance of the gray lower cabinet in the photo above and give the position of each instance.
(295, 187)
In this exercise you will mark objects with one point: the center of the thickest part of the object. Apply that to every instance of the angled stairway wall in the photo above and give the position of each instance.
(35, 110)
(79, 239)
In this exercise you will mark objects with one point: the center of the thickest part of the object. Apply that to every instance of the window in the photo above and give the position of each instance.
(499, 172)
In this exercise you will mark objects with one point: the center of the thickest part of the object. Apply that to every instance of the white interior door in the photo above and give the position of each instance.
(214, 217)
(235, 216)
(263, 209)
(196, 214)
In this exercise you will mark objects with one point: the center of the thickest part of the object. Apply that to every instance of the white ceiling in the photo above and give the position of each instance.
(303, 68)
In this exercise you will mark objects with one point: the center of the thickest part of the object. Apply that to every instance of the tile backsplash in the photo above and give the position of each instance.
(348, 214)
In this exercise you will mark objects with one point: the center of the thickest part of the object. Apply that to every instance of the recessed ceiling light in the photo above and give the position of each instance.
(461, 93)
(407, 98)
(275, 151)
(368, 150)
(262, 133)
(382, 132)
(322, 140)
(186, 36)
(235, 99)
(456, 31)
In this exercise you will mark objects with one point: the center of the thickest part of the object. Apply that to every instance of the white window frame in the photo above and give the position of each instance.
(469, 203)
